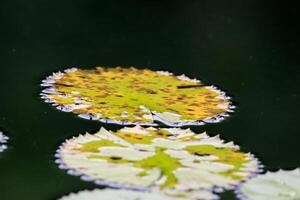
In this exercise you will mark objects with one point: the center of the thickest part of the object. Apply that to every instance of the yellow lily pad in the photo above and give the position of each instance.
(175, 161)
(135, 96)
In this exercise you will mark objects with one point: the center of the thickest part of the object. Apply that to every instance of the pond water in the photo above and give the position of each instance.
(249, 50)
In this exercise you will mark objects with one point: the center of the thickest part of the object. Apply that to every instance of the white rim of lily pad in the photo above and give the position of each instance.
(109, 194)
(3, 141)
(48, 88)
(216, 189)
(278, 177)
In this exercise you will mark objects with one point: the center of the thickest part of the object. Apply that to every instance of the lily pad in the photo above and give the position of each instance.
(135, 96)
(280, 185)
(176, 161)
(3, 141)
(112, 194)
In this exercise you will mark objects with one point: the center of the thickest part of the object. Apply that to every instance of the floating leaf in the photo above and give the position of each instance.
(135, 96)
(174, 160)
(112, 194)
(280, 185)
(3, 140)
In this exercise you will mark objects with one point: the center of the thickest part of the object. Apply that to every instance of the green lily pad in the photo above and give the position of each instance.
(135, 96)
(175, 161)
(280, 185)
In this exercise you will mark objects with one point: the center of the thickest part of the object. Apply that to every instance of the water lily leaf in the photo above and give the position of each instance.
(112, 194)
(3, 141)
(135, 96)
(280, 185)
(174, 160)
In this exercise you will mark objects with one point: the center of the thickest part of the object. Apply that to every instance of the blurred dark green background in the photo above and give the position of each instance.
(250, 49)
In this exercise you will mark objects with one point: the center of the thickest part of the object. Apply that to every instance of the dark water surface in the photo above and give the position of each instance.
(250, 50)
